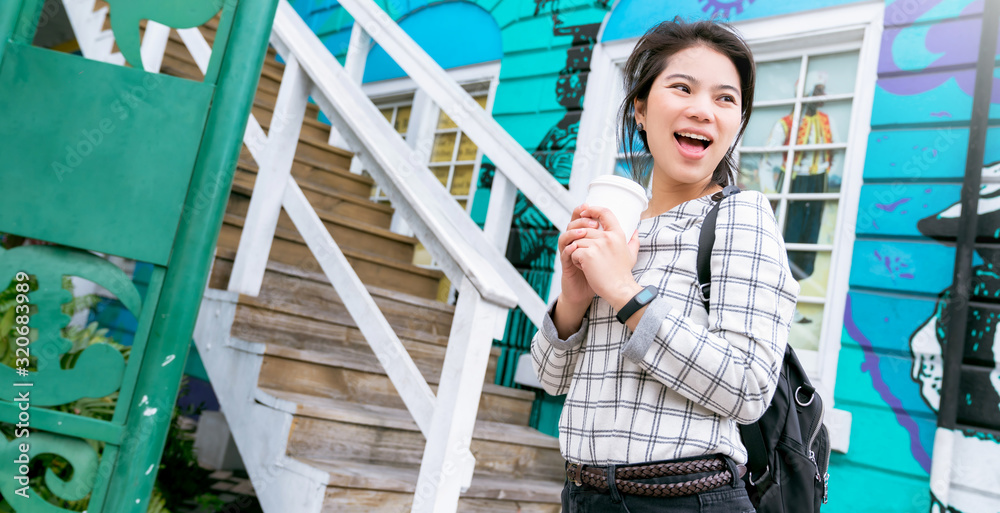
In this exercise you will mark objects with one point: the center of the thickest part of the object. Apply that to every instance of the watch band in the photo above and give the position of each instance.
(643, 298)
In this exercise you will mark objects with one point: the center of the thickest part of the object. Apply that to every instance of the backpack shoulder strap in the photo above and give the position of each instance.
(751, 434)
(705, 243)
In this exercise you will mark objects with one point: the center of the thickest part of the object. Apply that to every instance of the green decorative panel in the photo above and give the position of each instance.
(80, 455)
(96, 145)
(126, 14)
(98, 370)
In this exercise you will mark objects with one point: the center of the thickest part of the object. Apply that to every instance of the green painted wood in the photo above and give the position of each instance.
(184, 281)
(143, 327)
(62, 423)
(69, 145)
(127, 163)
(126, 14)
(99, 369)
(27, 23)
(78, 453)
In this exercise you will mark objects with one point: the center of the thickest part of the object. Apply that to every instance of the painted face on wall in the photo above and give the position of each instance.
(691, 116)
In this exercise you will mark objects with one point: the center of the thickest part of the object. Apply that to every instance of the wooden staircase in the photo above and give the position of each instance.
(312, 363)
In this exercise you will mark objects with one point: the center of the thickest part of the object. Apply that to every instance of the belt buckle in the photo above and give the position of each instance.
(574, 473)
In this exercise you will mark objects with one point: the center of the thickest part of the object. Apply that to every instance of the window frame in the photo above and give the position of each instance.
(858, 25)
(424, 114)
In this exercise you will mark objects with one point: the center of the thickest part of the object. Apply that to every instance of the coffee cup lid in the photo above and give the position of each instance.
(620, 181)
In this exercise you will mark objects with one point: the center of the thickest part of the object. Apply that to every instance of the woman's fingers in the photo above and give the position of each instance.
(604, 216)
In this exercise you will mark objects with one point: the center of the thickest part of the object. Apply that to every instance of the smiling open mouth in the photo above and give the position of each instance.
(692, 142)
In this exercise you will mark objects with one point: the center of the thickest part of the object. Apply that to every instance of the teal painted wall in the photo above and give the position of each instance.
(903, 263)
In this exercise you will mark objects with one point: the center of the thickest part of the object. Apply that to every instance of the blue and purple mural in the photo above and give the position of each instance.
(902, 290)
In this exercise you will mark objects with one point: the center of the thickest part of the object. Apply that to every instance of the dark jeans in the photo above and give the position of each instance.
(728, 498)
(803, 223)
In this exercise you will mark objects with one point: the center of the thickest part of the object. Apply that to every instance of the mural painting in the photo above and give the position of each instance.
(896, 320)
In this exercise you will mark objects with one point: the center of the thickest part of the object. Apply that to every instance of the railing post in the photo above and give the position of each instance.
(275, 165)
(154, 44)
(500, 212)
(447, 464)
(354, 64)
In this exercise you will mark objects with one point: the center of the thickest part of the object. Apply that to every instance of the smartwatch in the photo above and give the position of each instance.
(643, 298)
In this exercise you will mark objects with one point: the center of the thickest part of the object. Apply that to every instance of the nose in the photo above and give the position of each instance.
(699, 108)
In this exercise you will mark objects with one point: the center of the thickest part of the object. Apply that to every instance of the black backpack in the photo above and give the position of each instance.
(789, 447)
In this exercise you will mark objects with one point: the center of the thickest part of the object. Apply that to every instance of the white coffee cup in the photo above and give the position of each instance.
(625, 198)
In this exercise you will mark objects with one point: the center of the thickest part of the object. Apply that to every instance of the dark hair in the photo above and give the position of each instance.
(648, 60)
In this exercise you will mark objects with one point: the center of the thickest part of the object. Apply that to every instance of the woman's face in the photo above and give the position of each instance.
(691, 116)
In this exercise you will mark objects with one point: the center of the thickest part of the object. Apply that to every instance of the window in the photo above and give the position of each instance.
(794, 151)
(450, 155)
(454, 157)
(815, 81)
(397, 113)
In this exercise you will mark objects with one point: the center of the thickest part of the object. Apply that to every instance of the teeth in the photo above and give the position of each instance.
(694, 136)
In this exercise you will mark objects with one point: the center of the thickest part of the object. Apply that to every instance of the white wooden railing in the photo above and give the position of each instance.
(473, 259)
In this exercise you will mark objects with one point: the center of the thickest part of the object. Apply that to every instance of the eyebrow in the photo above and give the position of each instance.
(695, 81)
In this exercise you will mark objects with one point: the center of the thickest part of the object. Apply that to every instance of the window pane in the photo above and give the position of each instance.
(776, 79)
(811, 221)
(441, 172)
(462, 180)
(833, 73)
(466, 149)
(812, 270)
(444, 147)
(402, 119)
(768, 126)
(444, 122)
(481, 100)
(818, 171)
(824, 122)
(806, 326)
(387, 112)
(762, 172)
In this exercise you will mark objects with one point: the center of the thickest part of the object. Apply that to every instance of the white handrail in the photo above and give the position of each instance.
(534, 181)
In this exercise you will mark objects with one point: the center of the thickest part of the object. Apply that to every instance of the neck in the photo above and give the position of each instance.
(667, 194)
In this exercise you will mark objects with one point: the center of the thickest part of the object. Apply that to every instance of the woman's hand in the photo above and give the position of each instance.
(576, 294)
(575, 288)
(604, 257)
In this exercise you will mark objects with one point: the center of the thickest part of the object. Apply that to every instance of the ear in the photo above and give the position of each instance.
(639, 108)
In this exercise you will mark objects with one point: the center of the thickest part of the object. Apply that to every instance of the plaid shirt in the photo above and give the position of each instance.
(678, 385)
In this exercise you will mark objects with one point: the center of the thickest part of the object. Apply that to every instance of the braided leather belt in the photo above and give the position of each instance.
(596, 477)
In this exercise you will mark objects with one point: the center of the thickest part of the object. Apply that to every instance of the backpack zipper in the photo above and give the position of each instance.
(812, 455)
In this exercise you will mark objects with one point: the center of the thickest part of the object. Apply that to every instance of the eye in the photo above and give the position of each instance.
(728, 98)
(682, 87)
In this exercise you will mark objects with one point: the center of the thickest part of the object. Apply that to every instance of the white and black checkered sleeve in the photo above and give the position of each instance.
(554, 358)
(732, 366)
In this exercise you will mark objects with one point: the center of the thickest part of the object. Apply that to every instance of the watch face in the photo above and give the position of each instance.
(645, 296)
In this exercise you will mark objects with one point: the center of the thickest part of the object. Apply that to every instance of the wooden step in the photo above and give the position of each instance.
(358, 377)
(312, 128)
(349, 233)
(324, 174)
(269, 94)
(308, 295)
(288, 247)
(329, 429)
(364, 487)
(325, 199)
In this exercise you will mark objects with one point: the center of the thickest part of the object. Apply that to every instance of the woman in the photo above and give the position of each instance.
(655, 399)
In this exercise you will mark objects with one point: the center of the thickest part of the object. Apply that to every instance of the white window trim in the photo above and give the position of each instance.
(424, 114)
(769, 39)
